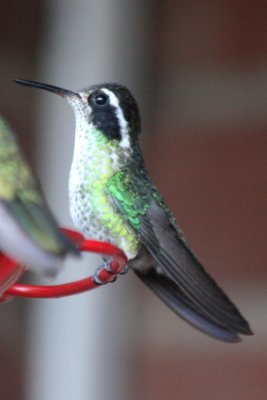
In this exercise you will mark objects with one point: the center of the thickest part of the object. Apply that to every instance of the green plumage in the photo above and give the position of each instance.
(21, 195)
(131, 198)
(113, 199)
(16, 180)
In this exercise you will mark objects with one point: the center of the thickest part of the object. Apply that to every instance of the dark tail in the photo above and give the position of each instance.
(172, 295)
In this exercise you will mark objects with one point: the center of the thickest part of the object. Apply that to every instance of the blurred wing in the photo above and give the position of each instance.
(21, 195)
(40, 226)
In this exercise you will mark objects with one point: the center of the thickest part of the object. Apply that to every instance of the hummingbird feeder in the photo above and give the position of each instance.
(10, 271)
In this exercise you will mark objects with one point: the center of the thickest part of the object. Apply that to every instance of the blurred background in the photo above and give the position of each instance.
(199, 73)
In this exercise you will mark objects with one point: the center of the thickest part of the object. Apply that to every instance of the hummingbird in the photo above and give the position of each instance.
(29, 233)
(113, 199)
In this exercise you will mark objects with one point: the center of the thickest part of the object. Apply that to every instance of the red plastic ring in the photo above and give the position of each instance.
(117, 265)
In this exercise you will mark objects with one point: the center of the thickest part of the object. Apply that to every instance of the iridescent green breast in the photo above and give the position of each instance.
(95, 164)
(131, 193)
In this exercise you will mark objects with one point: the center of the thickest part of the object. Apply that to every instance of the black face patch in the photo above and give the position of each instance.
(127, 103)
(129, 107)
(104, 115)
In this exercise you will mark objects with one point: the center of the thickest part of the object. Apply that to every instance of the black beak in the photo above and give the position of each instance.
(50, 88)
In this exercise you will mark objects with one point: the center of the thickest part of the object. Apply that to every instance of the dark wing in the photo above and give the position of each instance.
(195, 287)
(183, 284)
(173, 297)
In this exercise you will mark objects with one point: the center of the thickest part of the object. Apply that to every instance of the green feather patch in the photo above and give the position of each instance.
(131, 196)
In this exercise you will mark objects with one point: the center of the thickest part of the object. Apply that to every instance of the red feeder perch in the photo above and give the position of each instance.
(10, 272)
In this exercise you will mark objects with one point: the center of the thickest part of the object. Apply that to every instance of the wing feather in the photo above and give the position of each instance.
(183, 284)
(171, 294)
(40, 226)
(179, 263)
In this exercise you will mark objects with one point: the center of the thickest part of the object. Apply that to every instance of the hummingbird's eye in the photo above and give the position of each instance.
(100, 99)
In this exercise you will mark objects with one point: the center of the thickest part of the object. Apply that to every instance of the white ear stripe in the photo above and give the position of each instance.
(125, 141)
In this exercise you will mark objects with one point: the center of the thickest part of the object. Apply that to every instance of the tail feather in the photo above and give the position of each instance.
(171, 294)
(195, 287)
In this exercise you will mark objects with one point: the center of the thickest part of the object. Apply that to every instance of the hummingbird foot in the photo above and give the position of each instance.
(97, 275)
(124, 270)
(107, 266)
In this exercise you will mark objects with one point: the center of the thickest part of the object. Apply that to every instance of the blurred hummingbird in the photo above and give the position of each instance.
(113, 199)
(29, 233)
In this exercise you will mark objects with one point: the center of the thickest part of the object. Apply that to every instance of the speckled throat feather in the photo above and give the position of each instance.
(96, 160)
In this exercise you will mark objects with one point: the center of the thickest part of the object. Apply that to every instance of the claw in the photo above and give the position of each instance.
(107, 266)
(125, 270)
(97, 278)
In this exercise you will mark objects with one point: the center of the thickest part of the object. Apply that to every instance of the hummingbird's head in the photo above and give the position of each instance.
(109, 107)
(113, 110)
